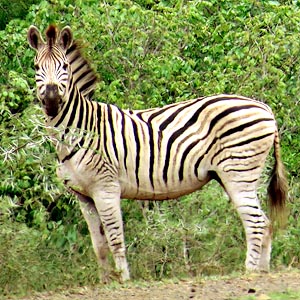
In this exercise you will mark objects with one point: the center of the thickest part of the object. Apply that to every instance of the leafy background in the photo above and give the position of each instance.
(147, 53)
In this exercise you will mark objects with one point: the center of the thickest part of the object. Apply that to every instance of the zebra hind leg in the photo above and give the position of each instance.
(98, 238)
(257, 227)
(264, 263)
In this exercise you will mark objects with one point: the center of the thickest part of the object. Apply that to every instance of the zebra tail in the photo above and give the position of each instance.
(278, 188)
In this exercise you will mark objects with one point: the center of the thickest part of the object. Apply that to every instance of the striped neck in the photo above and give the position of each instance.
(73, 103)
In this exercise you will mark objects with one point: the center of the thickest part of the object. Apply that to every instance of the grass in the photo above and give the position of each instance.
(200, 235)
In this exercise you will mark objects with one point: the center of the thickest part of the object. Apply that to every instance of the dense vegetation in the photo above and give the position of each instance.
(147, 53)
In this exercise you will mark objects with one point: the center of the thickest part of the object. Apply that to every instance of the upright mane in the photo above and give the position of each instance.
(83, 75)
(51, 35)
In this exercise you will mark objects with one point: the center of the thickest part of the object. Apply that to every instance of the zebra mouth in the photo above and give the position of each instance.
(52, 108)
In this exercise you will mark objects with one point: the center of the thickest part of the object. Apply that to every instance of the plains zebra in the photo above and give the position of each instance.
(106, 153)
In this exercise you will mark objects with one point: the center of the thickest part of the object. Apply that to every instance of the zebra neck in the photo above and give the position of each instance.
(75, 127)
(73, 103)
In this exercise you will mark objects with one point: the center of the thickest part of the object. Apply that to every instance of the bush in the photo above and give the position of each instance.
(147, 53)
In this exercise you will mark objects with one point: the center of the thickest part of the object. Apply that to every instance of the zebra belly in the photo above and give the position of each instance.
(85, 175)
(82, 181)
(160, 191)
(157, 195)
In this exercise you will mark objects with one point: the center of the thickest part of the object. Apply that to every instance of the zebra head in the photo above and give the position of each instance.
(51, 65)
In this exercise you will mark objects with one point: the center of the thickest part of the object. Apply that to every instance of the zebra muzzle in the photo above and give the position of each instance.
(51, 100)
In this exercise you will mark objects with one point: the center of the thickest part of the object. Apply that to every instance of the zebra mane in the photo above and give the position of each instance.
(51, 35)
(84, 77)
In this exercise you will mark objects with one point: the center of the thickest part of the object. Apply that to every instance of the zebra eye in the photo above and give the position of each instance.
(36, 67)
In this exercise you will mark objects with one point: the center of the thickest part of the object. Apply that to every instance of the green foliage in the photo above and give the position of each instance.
(30, 261)
(180, 244)
(13, 9)
(147, 53)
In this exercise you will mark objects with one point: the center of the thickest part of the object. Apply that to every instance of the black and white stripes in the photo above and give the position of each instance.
(107, 153)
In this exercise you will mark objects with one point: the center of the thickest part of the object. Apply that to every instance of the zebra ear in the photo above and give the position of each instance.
(34, 38)
(65, 38)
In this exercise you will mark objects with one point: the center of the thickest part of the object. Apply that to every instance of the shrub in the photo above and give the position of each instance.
(147, 53)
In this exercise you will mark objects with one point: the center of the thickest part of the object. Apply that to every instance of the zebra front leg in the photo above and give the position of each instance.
(109, 209)
(97, 234)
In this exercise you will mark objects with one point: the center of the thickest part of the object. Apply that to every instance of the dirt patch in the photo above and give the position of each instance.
(222, 288)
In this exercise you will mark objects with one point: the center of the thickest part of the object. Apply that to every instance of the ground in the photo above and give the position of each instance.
(219, 288)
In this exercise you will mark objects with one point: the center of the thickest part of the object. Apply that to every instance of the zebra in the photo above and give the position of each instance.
(106, 153)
